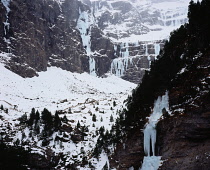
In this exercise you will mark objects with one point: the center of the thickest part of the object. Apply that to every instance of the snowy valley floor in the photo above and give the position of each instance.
(57, 89)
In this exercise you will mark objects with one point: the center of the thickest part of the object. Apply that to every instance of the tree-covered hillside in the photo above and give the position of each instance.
(183, 69)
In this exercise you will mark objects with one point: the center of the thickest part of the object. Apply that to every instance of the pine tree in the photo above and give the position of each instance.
(57, 121)
(23, 119)
(6, 110)
(94, 118)
(96, 109)
(78, 125)
(2, 107)
(32, 117)
(64, 119)
(111, 119)
(37, 117)
(114, 103)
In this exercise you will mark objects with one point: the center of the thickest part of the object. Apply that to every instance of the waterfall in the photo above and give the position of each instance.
(84, 24)
(157, 49)
(153, 162)
(7, 24)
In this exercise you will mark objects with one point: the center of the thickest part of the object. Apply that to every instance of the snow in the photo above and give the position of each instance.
(82, 93)
(172, 15)
(153, 162)
(157, 49)
(6, 4)
(84, 24)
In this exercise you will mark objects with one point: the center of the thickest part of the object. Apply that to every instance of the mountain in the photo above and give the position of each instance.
(58, 116)
(168, 113)
(121, 37)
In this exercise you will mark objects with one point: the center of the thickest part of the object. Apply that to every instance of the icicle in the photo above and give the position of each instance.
(150, 133)
(157, 49)
(6, 23)
(146, 50)
(92, 66)
(84, 24)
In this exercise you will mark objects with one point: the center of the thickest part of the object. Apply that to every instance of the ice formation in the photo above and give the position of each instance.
(120, 64)
(84, 24)
(151, 162)
(157, 49)
(6, 23)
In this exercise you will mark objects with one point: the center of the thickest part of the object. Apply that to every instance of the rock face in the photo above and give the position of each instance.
(129, 152)
(134, 58)
(184, 142)
(103, 51)
(183, 139)
(41, 34)
(137, 30)
(87, 36)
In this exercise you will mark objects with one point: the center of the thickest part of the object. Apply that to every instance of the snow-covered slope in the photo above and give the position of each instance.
(138, 30)
(57, 89)
(139, 20)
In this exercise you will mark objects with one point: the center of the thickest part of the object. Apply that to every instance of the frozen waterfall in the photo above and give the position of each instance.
(84, 23)
(153, 162)
(6, 4)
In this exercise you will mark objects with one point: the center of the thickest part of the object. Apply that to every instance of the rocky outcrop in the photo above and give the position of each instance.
(37, 34)
(103, 51)
(43, 33)
(183, 139)
(134, 58)
(130, 152)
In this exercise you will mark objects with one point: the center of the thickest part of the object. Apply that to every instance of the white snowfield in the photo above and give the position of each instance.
(173, 13)
(54, 85)
(57, 89)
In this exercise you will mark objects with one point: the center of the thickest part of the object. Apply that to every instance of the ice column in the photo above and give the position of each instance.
(157, 49)
(150, 128)
(120, 64)
(84, 24)
(153, 162)
(6, 23)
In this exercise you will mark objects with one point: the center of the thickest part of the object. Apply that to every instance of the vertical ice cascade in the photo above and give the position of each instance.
(84, 23)
(120, 64)
(153, 162)
(157, 49)
(6, 23)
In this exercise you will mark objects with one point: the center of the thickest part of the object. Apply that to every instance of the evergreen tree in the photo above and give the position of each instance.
(23, 119)
(37, 117)
(96, 109)
(32, 117)
(78, 125)
(94, 118)
(2, 107)
(65, 120)
(114, 103)
(57, 121)
(47, 119)
(111, 119)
